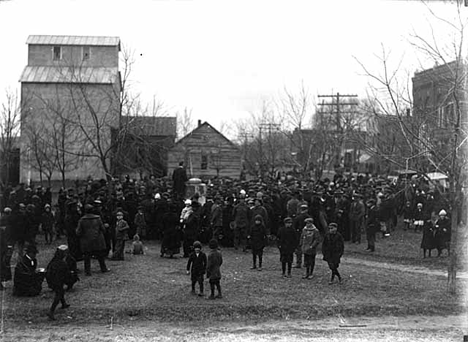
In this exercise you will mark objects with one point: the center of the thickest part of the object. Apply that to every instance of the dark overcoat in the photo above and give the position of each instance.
(333, 248)
(91, 231)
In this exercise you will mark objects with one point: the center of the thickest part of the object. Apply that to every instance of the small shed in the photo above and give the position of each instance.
(206, 153)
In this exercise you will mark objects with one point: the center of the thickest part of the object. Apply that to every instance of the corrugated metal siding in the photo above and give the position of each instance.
(73, 40)
(46, 74)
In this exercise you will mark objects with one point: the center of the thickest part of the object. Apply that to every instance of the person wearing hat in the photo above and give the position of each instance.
(442, 233)
(287, 243)
(179, 178)
(332, 250)
(213, 269)
(121, 235)
(257, 235)
(47, 224)
(241, 216)
(372, 224)
(140, 223)
(57, 274)
(298, 225)
(91, 232)
(310, 238)
(27, 280)
(216, 219)
(196, 267)
(357, 214)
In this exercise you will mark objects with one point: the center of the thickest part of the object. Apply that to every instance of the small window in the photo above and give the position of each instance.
(204, 162)
(57, 53)
(86, 53)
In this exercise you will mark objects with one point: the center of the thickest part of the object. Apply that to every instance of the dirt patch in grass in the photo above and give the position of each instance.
(149, 287)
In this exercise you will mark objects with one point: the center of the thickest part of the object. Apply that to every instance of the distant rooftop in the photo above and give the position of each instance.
(53, 74)
(152, 125)
(73, 40)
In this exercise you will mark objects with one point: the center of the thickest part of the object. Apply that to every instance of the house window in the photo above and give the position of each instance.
(57, 51)
(86, 52)
(204, 162)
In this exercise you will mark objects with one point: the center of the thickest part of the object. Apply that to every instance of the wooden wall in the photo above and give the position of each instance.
(222, 156)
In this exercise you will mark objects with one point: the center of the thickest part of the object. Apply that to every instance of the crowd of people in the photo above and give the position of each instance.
(97, 217)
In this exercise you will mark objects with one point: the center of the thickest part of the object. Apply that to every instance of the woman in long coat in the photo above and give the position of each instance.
(171, 234)
(442, 232)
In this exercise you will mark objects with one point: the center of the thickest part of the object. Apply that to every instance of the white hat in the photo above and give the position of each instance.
(62, 247)
(442, 212)
(157, 196)
(187, 201)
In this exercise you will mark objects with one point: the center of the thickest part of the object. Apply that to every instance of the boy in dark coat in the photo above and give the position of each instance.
(332, 250)
(257, 236)
(196, 267)
(57, 274)
(213, 269)
(287, 242)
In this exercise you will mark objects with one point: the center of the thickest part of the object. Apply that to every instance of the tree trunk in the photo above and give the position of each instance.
(452, 268)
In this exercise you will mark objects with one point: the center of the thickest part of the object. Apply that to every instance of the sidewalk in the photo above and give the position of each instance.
(401, 267)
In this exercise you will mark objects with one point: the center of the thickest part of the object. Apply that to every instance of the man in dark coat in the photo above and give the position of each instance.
(179, 177)
(332, 250)
(357, 214)
(27, 280)
(287, 244)
(91, 233)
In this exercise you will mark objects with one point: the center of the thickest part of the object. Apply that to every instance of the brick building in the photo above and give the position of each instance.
(70, 100)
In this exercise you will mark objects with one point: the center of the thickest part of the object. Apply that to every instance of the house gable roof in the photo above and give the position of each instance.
(73, 40)
(201, 126)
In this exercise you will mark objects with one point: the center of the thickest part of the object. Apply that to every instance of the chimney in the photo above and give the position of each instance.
(199, 123)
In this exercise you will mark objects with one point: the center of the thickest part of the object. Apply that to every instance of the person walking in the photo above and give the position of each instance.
(57, 273)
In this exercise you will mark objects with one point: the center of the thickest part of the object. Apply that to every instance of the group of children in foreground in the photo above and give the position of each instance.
(332, 249)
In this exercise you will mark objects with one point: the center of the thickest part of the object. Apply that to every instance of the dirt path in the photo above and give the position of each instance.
(435, 328)
(401, 267)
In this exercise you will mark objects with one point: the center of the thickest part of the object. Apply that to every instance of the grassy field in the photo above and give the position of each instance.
(154, 288)
(404, 247)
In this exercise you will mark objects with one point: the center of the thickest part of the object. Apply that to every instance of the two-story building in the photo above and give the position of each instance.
(70, 100)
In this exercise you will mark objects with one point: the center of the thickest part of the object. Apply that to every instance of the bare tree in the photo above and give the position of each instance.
(434, 145)
(9, 132)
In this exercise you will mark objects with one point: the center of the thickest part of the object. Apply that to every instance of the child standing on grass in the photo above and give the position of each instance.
(196, 267)
(121, 234)
(287, 243)
(332, 250)
(257, 236)
(213, 269)
(310, 239)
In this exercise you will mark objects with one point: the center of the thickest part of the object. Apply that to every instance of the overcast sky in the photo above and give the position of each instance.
(222, 58)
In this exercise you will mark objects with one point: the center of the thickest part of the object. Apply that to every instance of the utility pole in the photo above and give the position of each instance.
(335, 102)
(269, 127)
